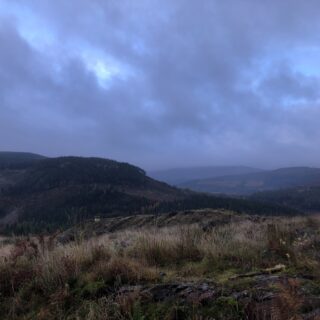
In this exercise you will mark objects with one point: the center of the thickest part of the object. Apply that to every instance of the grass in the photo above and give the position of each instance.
(40, 279)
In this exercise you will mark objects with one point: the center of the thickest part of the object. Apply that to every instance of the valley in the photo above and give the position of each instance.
(159, 160)
(92, 238)
(249, 183)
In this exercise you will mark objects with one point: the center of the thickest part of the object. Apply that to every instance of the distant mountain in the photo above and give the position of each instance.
(18, 160)
(58, 192)
(306, 199)
(180, 175)
(259, 181)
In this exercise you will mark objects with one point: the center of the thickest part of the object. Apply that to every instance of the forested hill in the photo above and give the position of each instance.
(18, 160)
(66, 171)
(306, 199)
(54, 193)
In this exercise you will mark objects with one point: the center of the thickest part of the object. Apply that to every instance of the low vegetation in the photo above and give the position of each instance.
(241, 270)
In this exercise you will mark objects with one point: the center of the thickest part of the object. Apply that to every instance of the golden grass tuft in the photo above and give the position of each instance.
(70, 278)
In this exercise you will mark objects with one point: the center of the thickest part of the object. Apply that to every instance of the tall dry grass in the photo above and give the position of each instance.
(67, 277)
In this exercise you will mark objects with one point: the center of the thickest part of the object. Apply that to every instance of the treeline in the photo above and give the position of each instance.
(59, 172)
(69, 206)
(83, 208)
(200, 201)
(302, 198)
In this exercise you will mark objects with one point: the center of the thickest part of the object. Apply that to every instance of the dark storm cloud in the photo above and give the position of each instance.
(162, 83)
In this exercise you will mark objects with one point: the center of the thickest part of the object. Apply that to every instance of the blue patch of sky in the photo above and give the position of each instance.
(42, 37)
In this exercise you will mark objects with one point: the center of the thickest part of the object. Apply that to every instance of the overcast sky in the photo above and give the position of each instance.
(163, 83)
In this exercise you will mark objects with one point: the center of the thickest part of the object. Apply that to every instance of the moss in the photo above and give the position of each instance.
(226, 308)
(240, 284)
(224, 276)
(313, 287)
(87, 290)
(137, 312)
(158, 310)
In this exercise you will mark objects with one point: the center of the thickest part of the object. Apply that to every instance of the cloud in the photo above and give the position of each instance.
(162, 83)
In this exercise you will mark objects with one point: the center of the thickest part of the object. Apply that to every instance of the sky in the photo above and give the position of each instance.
(162, 83)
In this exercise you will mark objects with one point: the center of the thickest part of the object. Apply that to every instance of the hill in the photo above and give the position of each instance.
(301, 198)
(180, 175)
(18, 160)
(256, 182)
(13, 165)
(59, 192)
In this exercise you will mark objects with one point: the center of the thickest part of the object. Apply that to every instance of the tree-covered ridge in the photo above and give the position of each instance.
(301, 198)
(58, 172)
(59, 192)
(18, 160)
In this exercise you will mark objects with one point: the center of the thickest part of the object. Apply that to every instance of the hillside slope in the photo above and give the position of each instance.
(18, 160)
(260, 181)
(301, 198)
(59, 192)
(13, 165)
